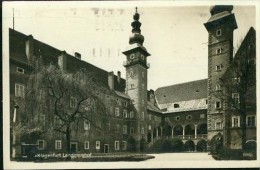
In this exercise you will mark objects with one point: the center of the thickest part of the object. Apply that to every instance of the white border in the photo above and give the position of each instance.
(92, 165)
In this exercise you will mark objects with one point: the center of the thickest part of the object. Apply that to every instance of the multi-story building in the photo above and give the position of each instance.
(195, 112)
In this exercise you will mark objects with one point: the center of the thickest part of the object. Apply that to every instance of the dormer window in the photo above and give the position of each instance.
(176, 105)
(218, 32)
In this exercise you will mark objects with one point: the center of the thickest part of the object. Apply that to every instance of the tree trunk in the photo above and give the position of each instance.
(68, 138)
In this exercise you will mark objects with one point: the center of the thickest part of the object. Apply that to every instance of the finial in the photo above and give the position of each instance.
(135, 9)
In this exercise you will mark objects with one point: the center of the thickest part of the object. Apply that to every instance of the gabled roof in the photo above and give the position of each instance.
(152, 107)
(50, 54)
(182, 92)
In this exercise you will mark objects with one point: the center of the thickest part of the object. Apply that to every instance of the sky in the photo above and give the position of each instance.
(174, 35)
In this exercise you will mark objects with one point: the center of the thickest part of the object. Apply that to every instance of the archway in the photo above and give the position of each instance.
(189, 130)
(189, 145)
(167, 130)
(250, 145)
(216, 142)
(202, 146)
(202, 129)
(131, 144)
(177, 130)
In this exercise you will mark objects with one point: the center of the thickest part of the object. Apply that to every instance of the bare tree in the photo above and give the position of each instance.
(70, 99)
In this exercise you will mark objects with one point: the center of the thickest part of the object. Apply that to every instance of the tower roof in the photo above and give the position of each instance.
(220, 8)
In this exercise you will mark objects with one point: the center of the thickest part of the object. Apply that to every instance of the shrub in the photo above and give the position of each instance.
(177, 145)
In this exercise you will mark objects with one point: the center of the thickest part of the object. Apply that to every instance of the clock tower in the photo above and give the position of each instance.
(136, 77)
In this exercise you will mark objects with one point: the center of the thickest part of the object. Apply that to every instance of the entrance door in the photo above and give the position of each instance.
(73, 147)
(106, 148)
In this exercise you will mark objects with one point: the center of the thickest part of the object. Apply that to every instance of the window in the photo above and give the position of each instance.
(235, 121)
(86, 145)
(131, 114)
(117, 128)
(235, 97)
(150, 117)
(142, 115)
(97, 144)
(218, 51)
(125, 103)
(20, 70)
(42, 120)
(57, 144)
(177, 118)
(124, 145)
(218, 125)
(218, 87)
(189, 117)
(142, 130)
(218, 32)
(131, 130)
(125, 113)
(86, 125)
(41, 144)
(236, 80)
(132, 86)
(117, 111)
(218, 67)
(206, 101)
(117, 101)
(218, 105)
(117, 145)
(131, 72)
(73, 102)
(149, 127)
(202, 116)
(124, 129)
(176, 105)
(19, 90)
(250, 121)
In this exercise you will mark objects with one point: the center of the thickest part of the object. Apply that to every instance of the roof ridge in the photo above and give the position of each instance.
(183, 83)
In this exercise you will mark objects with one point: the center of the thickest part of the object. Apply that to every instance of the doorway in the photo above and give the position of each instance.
(73, 147)
(106, 148)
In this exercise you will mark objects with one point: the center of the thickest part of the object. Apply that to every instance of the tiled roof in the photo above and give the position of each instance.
(182, 92)
(152, 107)
(124, 95)
(50, 54)
(196, 104)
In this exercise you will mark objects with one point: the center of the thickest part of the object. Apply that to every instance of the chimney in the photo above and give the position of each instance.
(151, 96)
(29, 47)
(78, 55)
(118, 77)
(62, 60)
(111, 80)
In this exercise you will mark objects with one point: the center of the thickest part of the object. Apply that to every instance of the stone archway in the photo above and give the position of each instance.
(189, 145)
(131, 146)
(202, 129)
(177, 130)
(202, 146)
(189, 130)
(167, 130)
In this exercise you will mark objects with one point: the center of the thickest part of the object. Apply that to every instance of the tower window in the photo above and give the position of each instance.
(218, 87)
(20, 70)
(219, 67)
(218, 51)
(218, 105)
(218, 32)
(176, 105)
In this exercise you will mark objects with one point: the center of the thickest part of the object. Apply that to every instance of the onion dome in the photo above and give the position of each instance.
(136, 36)
(220, 8)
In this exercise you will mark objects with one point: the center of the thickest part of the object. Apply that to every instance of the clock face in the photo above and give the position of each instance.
(132, 56)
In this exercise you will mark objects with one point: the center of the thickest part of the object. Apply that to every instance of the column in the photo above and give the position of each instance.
(183, 132)
(157, 133)
(152, 137)
(195, 131)
(161, 132)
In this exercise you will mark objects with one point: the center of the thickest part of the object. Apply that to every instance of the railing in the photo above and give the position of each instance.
(192, 137)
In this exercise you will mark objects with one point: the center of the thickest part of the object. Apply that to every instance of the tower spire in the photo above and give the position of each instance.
(136, 36)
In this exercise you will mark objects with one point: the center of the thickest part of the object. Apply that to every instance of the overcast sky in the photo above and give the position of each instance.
(174, 35)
